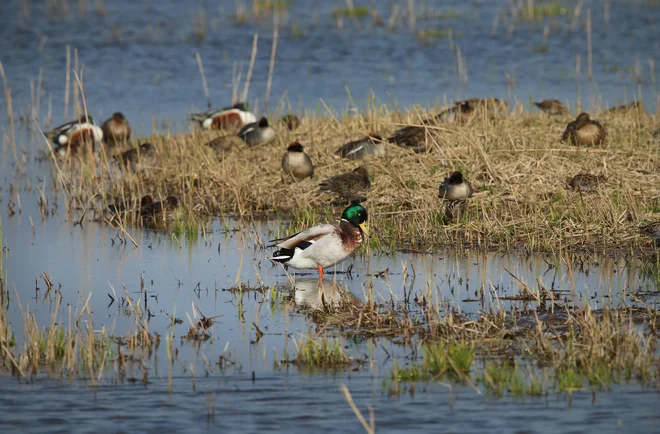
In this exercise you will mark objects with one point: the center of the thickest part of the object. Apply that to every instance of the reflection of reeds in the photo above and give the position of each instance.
(199, 26)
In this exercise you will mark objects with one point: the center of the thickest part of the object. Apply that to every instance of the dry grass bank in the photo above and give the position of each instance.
(516, 164)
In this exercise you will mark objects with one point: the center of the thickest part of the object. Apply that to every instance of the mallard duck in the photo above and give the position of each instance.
(257, 133)
(116, 130)
(292, 122)
(369, 146)
(159, 213)
(455, 187)
(72, 135)
(325, 245)
(635, 106)
(296, 163)
(223, 143)
(351, 186)
(584, 131)
(585, 182)
(552, 107)
(140, 158)
(227, 118)
(652, 230)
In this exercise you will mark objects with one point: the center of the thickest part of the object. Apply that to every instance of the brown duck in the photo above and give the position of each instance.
(158, 213)
(552, 107)
(369, 146)
(123, 207)
(464, 111)
(141, 158)
(585, 182)
(223, 143)
(418, 139)
(633, 107)
(584, 131)
(292, 122)
(116, 130)
(349, 186)
(461, 113)
(652, 230)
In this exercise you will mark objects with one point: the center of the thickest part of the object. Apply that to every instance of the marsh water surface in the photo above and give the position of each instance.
(139, 58)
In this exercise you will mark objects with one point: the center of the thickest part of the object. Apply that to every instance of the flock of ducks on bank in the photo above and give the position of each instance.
(323, 246)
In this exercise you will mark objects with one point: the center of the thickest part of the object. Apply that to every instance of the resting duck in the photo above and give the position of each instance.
(228, 118)
(584, 131)
(324, 245)
(418, 137)
(369, 146)
(257, 133)
(656, 134)
(158, 213)
(121, 207)
(116, 130)
(72, 135)
(635, 106)
(292, 122)
(552, 107)
(223, 143)
(455, 187)
(454, 191)
(351, 186)
(140, 158)
(585, 182)
(414, 137)
(296, 163)
(466, 110)
(652, 230)
(461, 113)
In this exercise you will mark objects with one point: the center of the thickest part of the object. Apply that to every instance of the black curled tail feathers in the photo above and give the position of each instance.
(283, 255)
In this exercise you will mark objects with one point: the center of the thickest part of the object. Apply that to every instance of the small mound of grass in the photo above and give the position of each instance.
(429, 36)
(355, 12)
(440, 359)
(323, 353)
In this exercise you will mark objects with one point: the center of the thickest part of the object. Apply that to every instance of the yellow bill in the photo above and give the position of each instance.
(365, 227)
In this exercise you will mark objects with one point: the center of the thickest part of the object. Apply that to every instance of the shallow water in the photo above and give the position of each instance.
(257, 393)
(290, 402)
(139, 58)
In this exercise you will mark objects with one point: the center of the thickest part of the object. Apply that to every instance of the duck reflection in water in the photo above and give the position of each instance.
(321, 294)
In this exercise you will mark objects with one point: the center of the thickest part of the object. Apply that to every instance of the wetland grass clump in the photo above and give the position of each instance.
(440, 359)
(430, 36)
(73, 351)
(321, 353)
(501, 377)
(353, 12)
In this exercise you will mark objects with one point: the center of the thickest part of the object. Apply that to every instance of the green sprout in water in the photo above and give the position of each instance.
(357, 12)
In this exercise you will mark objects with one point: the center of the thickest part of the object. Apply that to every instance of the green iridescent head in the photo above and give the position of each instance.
(357, 215)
